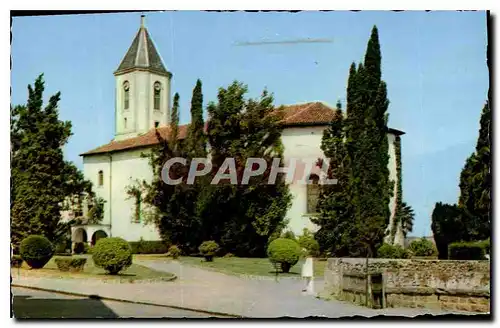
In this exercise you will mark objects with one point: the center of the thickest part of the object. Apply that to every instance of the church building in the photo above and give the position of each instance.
(143, 97)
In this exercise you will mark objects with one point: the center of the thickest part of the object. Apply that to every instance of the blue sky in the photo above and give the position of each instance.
(434, 64)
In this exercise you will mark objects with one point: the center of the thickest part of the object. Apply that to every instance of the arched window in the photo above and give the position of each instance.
(100, 178)
(157, 94)
(126, 95)
(125, 123)
(312, 194)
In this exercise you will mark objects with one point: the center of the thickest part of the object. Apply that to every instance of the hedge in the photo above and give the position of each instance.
(70, 264)
(387, 251)
(466, 251)
(149, 247)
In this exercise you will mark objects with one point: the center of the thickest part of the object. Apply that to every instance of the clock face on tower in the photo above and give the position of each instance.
(126, 86)
(157, 86)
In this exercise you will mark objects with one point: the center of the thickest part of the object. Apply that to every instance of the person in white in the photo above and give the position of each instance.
(307, 274)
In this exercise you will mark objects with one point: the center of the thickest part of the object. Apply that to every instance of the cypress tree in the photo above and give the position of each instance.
(368, 189)
(334, 206)
(475, 183)
(196, 138)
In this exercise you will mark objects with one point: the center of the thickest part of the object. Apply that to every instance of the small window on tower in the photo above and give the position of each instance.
(125, 122)
(157, 91)
(157, 124)
(126, 95)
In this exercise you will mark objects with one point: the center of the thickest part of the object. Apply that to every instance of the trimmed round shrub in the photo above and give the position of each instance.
(112, 254)
(174, 251)
(208, 249)
(36, 251)
(387, 251)
(16, 261)
(227, 255)
(311, 245)
(423, 247)
(285, 252)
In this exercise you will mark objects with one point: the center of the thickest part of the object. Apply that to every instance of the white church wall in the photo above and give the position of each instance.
(127, 167)
(91, 167)
(301, 143)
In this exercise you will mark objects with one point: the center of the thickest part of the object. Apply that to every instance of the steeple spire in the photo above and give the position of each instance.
(142, 54)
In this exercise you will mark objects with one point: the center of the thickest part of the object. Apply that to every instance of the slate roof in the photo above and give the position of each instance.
(307, 114)
(142, 54)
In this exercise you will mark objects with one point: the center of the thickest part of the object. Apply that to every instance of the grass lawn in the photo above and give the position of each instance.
(250, 266)
(134, 272)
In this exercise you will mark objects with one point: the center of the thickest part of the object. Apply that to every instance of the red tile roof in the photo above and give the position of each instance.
(308, 114)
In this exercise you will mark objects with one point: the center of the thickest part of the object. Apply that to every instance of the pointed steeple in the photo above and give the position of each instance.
(142, 54)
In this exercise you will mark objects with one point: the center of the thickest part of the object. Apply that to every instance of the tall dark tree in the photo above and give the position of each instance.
(41, 180)
(196, 140)
(475, 183)
(336, 234)
(171, 207)
(244, 216)
(447, 227)
(369, 188)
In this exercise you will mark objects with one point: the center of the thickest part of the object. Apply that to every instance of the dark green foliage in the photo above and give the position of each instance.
(174, 251)
(285, 252)
(196, 139)
(112, 254)
(447, 227)
(289, 235)
(387, 251)
(36, 251)
(240, 218)
(485, 244)
(208, 249)
(405, 216)
(466, 251)
(404, 213)
(148, 247)
(423, 247)
(475, 183)
(64, 246)
(354, 214)
(16, 261)
(307, 241)
(42, 182)
(79, 248)
(70, 264)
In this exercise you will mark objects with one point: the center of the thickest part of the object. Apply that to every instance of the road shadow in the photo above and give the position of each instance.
(27, 307)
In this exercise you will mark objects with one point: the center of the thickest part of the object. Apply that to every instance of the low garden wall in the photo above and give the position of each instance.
(442, 284)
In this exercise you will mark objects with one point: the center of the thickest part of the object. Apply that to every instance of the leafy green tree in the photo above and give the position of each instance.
(41, 180)
(242, 217)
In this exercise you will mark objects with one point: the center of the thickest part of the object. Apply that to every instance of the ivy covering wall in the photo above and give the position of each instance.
(399, 188)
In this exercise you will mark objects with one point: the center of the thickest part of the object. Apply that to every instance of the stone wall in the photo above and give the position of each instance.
(451, 285)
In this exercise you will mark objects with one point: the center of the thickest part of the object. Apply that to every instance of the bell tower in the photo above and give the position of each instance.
(142, 88)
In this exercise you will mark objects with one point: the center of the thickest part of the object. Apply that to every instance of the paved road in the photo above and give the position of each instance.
(34, 304)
